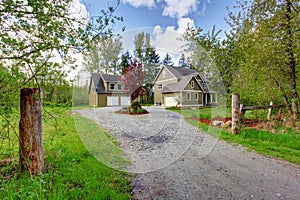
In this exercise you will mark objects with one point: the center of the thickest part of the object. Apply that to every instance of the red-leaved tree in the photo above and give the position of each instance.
(132, 79)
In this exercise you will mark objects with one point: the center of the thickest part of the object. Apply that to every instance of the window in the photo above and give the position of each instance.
(119, 87)
(204, 85)
(196, 96)
(188, 96)
(192, 84)
(111, 86)
(159, 86)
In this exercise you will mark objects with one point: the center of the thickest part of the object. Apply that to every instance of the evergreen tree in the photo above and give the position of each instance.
(167, 60)
(125, 60)
(154, 57)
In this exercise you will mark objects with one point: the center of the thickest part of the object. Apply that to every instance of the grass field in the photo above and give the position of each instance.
(71, 172)
(282, 142)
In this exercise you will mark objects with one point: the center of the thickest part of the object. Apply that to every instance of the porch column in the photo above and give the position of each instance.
(181, 99)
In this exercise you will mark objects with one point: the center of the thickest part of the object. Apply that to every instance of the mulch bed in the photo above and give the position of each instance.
(246, 122)
(131, 113)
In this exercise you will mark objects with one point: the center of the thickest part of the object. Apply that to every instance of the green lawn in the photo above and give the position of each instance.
(71, 172)
(283, 144)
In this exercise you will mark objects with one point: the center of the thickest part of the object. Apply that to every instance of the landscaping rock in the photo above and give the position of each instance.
(217, 123)
(227, 124)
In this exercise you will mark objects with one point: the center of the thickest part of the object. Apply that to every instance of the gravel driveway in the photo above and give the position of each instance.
(174, 160)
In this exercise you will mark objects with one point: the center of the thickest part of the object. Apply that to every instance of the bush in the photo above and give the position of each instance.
(135, 106)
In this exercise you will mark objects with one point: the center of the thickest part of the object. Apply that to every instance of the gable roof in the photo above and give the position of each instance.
(98, 84)
(179, 72)
(110, 78)
(179, 86)
(183, 76)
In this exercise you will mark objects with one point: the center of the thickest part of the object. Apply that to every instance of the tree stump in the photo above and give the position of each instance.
(30, 127)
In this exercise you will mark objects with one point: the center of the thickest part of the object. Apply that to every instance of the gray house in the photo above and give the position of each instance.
(176, 86)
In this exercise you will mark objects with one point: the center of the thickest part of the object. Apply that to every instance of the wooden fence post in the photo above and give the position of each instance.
(235, 103)
(270, 110)
(30, 127)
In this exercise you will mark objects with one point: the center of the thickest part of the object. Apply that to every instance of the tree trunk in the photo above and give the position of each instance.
(291, 60)
(30, 127)
(285, 98)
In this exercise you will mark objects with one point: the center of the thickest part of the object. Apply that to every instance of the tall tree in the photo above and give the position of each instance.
(142, 46)
(133, 78)
(37, 38)
(147, 55)
(267, 38)
(206, 55)
(102, 55)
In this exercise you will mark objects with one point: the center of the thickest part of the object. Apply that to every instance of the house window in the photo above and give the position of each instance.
(192, 84)
(196, 96)
(204, 85)
(188, 96)
(159, 86)
(111, 86)
(119, 87)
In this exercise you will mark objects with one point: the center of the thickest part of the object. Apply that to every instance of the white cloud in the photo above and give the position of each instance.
(140, 3)
(166, 41)
(172, 8)
(183, 23)
(179, 8)
(78, 11)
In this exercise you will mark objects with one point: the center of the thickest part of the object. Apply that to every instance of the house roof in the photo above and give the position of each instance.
(110, 78)
(98, 82)
(183, 76)
(180, 72)
(179, 86)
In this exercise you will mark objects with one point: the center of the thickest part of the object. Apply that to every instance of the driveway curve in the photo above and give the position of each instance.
(174, 160)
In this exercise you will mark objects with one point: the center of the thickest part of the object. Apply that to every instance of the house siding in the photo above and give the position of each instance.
(168, 75)
(196, 86)
(192, 91)
(168, 79)
(193, 100)
(92, 95)
(102, 99)
(157, 95)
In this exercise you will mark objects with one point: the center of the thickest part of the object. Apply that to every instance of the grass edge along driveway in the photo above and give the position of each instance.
(284, 143)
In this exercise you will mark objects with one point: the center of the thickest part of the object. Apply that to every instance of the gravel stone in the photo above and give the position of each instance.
(174, 160)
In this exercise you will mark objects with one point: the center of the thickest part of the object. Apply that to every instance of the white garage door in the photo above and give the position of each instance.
(170, 101)
(125, 101)
(113, 101)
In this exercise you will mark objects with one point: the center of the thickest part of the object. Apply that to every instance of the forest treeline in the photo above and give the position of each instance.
(258, 57)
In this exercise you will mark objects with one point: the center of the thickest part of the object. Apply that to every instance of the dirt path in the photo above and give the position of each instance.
(173, 160)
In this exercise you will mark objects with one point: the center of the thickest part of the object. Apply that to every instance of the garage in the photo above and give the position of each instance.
(170, 101)
(125, 101)
(113, 101)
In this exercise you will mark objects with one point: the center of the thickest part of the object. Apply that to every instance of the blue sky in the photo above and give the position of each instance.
(166, 20)
(165, 13)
